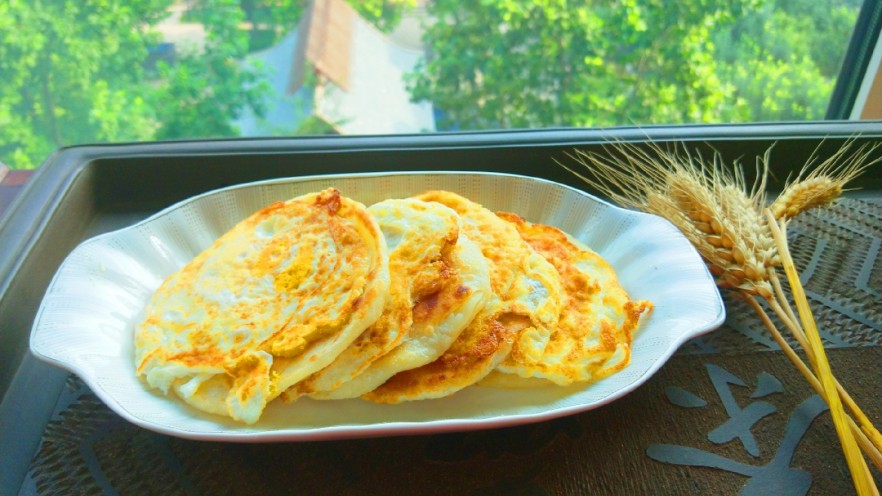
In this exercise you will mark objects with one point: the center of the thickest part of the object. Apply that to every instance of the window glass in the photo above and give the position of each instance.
(86, 71)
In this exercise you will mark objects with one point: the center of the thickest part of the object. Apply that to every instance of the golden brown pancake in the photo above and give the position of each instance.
(595, 330)
(421, 238)
(446, 292)
(273, 300)
(525, 298)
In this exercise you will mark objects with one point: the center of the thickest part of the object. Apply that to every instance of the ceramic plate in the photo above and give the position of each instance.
(86, 319)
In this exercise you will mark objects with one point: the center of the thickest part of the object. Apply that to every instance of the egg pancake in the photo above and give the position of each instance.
(526, 299)
(446, 295)
(273, 300)
(595, 330)
(420, 237)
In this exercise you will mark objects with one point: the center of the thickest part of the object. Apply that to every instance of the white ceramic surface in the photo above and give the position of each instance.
(86, 318)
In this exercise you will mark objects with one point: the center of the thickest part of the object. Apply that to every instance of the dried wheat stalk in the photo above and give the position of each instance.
(725, 220)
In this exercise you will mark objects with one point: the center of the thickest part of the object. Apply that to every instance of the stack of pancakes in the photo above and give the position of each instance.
(407, 299)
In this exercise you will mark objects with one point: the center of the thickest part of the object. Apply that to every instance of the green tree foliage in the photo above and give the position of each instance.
(201, 94)
(266, 21)
(384, 14)
(782, 57)
(505, 63)
(71, 73)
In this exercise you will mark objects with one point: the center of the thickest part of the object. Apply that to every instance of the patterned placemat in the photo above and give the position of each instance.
(728, 414)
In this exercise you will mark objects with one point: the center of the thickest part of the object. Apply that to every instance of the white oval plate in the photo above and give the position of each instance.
(86, 319)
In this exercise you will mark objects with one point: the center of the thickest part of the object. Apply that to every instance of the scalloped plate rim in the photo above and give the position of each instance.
(351, 431)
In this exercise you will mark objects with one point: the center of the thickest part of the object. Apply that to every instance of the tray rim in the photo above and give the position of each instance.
(20, 224)
(23, 225)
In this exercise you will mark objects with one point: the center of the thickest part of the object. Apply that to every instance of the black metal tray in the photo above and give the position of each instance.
(83, 191)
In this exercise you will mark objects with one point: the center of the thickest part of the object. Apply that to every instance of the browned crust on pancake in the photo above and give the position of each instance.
(579, 292)
(489, 338)
(464, 363)
(277, 319)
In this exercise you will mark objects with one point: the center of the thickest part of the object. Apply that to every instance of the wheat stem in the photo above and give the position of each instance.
(867, 446)
(782, 297)
(856, 464)
(726, 221)
(866, 424)
(795, 330)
